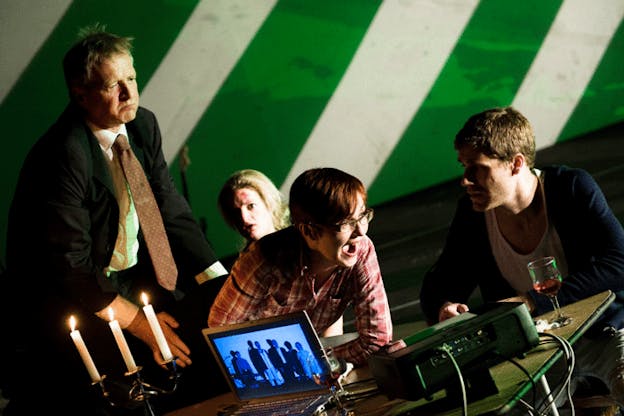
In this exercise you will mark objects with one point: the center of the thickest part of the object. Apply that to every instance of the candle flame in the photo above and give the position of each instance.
(144, 298)
(72, 323)
(111, 313)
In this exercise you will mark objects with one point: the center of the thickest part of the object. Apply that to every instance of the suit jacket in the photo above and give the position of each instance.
(63, 224)
(64, 217)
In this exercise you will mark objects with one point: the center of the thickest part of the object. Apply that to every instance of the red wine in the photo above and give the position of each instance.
(548, 287)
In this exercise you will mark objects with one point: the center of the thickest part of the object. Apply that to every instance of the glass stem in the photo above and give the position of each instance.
(555, 303)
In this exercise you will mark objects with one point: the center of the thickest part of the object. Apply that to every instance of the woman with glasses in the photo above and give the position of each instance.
(252, 205)
(323, 263)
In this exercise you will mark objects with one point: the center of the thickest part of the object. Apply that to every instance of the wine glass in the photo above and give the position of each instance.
(547, 279)
(332, 369)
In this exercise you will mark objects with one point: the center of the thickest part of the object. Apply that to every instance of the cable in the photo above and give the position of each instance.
(526, 373)
(447, 350)
(563, 384)
(550, 399)
(564, 381)
(570, 360)
(529, 408)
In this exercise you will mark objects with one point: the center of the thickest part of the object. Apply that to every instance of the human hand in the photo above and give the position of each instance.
(450, 309)
(140, 328)
(393, 346)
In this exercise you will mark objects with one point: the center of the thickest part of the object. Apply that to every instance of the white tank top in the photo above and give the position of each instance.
(513, 265)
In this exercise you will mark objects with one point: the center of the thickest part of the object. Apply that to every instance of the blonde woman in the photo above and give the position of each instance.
(252, 205)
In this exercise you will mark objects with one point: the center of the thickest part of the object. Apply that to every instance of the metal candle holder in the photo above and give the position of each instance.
(141, 391)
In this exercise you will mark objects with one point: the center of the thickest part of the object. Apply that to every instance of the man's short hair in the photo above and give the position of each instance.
(94, 46)
(499, 133)
(324, 196)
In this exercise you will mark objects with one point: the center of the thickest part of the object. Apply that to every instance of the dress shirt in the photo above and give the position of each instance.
(125, 254)
(270, 278)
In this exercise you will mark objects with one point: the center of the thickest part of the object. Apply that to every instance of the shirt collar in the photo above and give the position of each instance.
(106, 138)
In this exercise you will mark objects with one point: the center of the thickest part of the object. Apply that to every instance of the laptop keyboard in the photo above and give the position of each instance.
(298, 406)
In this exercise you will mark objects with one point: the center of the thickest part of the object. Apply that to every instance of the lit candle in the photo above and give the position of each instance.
(156, 329)
(83, 351)
(121, 342)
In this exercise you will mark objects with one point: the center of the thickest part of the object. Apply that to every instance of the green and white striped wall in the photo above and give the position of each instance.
(377, 88)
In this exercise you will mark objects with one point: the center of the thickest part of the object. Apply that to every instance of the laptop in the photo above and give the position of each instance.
(272, 365)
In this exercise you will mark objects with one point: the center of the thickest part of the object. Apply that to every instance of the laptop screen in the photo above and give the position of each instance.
(269, 357)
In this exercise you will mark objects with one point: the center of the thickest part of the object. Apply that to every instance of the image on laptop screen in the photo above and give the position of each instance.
(269, 357)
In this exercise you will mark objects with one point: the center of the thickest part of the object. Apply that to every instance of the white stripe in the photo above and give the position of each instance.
(565, 64)
(393, 70)
(197, 64)
(24, 26)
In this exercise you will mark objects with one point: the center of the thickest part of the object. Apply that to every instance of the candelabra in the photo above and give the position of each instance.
(141, 391)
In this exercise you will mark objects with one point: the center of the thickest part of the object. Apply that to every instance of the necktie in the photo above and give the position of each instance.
(150, 219)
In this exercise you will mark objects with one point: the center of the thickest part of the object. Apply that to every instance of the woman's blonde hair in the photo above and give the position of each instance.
(259, 182)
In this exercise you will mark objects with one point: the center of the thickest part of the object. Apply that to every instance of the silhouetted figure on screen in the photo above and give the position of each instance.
(292, 360)
(257, 361)
(242, 369)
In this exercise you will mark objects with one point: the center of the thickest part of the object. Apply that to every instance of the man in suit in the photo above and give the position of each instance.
(75, 247)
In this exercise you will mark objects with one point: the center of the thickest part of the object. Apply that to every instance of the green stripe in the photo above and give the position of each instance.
(470, 82)
(272, 99)
(269, 105)
(40, 95)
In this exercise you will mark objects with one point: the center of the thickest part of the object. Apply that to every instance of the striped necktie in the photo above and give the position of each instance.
(150, 219)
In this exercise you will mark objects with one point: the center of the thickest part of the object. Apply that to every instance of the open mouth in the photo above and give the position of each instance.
(349, 248)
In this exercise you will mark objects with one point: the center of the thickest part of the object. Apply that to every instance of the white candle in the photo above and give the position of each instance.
(83, 351)
(156, 329)
(121, 342)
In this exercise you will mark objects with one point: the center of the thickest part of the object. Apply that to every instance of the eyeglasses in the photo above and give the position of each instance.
(350, 225)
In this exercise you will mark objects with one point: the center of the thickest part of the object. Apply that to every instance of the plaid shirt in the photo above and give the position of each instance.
(269, 278)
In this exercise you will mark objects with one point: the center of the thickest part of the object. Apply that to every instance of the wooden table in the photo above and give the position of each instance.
(511, 382)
